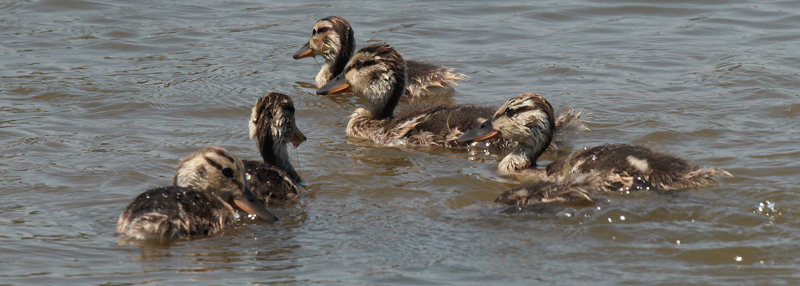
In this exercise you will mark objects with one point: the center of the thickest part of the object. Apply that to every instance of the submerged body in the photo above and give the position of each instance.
(333, 39)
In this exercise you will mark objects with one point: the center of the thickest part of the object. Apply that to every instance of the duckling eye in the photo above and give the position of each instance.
(313, 32)
(358, 64)
(227, 172)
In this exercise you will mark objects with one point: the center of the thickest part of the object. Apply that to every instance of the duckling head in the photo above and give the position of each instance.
(526, 119)
(378, 72)
(329, 37)
(217, 171)
(272, 126)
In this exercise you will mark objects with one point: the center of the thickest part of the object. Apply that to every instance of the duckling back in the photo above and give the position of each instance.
(573, 189)
(632, 167)
(270, 183)
(175, 212)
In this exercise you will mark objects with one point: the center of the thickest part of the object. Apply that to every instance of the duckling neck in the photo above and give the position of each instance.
(382, 98)
(336, 58)
(521, 157)
(276, 155)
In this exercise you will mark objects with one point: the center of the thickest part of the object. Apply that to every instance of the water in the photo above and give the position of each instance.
(100, 99)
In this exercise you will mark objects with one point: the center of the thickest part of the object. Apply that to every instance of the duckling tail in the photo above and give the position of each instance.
(568, 123)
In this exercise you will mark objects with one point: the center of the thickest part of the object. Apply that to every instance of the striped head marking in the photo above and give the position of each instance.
(527, 118)
(330, 36)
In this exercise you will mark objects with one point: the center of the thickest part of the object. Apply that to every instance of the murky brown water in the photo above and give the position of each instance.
(100, 99)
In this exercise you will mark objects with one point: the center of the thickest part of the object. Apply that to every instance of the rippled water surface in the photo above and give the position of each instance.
(100, 99)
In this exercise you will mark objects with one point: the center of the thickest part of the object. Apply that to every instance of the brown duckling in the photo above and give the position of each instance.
(619, 166)
(272, 126)
(332, 39)
(378, 73)
(208, 187)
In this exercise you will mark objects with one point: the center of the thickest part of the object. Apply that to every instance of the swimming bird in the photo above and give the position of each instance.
(378, 73)
(272, 127)
(618, 166)
(332, 38)
(208, 187)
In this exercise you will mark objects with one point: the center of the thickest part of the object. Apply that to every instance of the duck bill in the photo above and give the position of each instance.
(304, 52)
(336, 85)
(298, 137)
(479, 133)
(250, 204)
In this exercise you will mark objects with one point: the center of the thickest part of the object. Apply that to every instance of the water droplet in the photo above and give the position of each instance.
(568, 215)
(738, 258)
(622, 217)
(678, 242)
(609, 219)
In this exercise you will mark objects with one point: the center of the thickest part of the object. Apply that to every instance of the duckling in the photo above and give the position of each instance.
(619, 166)
(207, 188)
(332, 39)
(378, 73)
(272, 126)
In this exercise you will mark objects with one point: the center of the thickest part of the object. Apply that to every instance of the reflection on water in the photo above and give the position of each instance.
(101, 99)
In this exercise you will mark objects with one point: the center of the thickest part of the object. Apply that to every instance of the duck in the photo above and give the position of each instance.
(623, 167)
(378, 73)
(272, 126)
(208, 188)
(332, 39)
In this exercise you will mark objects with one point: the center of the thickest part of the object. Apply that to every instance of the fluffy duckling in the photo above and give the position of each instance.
(272, 126)
(378, 73)
(207, 188)
(332, 39)
(526, 120)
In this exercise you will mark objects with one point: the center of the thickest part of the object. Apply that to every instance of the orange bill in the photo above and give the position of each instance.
(304, 52)
(252, 205)
(479, 133)
(336, 85)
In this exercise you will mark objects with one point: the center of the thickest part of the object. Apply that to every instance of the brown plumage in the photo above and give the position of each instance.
(618, 166)
(332, 39)
(631, 167)
(272, 127)
(575, 190)
(378, 73)
(207, 187)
